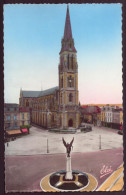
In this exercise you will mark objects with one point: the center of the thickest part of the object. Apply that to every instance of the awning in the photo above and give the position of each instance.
(24, 130)
(13, 132)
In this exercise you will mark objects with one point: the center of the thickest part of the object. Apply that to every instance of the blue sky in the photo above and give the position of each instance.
(32, 42)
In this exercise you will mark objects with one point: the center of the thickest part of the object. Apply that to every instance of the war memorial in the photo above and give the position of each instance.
(68, 180)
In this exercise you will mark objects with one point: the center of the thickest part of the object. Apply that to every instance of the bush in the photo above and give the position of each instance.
(25, 126)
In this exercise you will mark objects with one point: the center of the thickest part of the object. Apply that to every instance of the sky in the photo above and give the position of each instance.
(32, 42)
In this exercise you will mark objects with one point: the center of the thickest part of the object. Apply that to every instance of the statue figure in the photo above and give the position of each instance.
(68, 146)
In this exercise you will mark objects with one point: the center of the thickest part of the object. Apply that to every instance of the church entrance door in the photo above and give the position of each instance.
(70, 123)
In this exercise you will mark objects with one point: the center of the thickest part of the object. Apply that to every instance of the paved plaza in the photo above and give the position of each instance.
(36, 141)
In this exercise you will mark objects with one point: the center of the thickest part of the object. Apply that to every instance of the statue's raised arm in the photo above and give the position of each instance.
(64, 142)
(71, 142)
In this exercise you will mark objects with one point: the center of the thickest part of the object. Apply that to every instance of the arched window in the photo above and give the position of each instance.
(70, 97)
(70, 81)
(27, 104)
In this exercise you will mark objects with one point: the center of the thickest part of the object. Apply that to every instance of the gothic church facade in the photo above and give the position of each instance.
(58, 107)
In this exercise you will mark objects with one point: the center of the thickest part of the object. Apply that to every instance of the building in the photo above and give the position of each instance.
(24, 116)
(102, 115)
(88, 117)
(14, 118)
(90, 114)
(99, 118)
(58, 107)
(118, 116)
(112, 116)
(108, 114)
(11, 116)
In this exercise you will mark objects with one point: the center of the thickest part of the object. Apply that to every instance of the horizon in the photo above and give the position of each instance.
(32, 42)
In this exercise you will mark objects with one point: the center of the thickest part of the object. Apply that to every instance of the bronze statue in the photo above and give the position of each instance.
(68, 146)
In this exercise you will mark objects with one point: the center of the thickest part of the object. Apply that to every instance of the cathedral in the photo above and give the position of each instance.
(58, 107)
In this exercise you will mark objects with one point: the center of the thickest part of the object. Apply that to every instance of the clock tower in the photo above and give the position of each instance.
(68, 79)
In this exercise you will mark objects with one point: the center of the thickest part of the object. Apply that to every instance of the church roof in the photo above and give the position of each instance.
(33, 94)
(30, 93)
(67, 30)
(48, 91)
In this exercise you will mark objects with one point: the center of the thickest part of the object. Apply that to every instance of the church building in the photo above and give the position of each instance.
(58, 107)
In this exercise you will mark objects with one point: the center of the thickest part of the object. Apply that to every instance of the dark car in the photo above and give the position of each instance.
(86, 129)
(120, 132)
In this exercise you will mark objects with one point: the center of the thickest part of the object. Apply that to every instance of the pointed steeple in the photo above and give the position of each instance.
(67, 30)
(67, 40)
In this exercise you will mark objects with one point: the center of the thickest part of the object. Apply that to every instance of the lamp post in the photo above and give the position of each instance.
(99, 142)
(47, 146)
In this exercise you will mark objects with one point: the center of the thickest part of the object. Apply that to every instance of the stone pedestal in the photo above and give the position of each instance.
(68, 169)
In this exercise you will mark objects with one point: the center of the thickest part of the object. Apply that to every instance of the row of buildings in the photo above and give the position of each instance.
(111, 116)
(107, 115)
(14, 117)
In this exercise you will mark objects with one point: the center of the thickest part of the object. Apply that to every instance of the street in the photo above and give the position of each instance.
(23, 173)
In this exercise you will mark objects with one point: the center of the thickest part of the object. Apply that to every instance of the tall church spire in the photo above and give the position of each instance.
(67, 41)
(67, 30)
(68, 79)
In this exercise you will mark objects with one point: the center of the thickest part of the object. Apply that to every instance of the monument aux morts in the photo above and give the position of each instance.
(58, 107)
(69, 179)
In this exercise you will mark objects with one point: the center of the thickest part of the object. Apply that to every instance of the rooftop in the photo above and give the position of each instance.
(11, 105)
(39, 93)
(30, 93)
(48, 91)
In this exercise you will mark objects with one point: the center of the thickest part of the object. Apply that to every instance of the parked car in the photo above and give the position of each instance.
(120, 132)
(86, 129)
